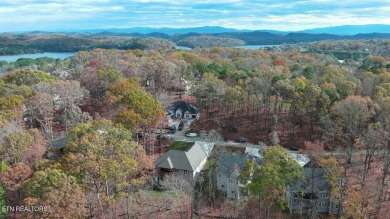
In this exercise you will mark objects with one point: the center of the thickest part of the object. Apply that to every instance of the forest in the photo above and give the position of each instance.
(38, 42)
(14, 44)
(68, 129)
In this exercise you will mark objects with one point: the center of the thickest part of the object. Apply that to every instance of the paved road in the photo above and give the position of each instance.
(179, 136)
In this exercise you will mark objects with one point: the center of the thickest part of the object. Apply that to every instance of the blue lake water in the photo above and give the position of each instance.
(55, 55)
(183, 47)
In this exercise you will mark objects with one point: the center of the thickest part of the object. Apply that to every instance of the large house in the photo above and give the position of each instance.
(230, 166)
(229, 169)
(182, 109)
(313, 194)
(185, 159)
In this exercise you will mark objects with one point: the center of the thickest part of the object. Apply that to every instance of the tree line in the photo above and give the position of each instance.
(106, 96)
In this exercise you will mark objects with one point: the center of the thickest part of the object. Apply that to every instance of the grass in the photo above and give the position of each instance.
(210, 163)
(180, 145)
(286, 106)
(159, 193)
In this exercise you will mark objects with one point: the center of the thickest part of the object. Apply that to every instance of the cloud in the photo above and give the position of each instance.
(249, 14)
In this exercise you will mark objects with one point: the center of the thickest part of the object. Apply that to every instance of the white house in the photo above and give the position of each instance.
(182, 109)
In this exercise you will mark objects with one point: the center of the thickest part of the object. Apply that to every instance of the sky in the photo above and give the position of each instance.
(285, 15)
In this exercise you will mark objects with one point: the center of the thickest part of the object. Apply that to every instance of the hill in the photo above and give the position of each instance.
(336, 30)
(351, 29)
(170, 31)
(33, 42)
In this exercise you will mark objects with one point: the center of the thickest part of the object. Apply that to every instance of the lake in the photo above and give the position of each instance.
(55, 55)
(183, 47)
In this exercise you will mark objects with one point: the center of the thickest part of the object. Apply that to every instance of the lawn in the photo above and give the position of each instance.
(180, 145)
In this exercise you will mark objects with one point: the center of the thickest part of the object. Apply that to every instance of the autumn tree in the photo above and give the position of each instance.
(383, 117)
(106, 160)
(13, 179)
(316, 106)
(278, 170)
(372, 140)
(36, 150)
(349, 118)
(67, 97)
(261, 86)
(59, 192)
(210, 94)
(11, 109)
(335, 176)
(15, 144)
(314, 150)
(138, 108)
(8, 89)
(157, 71)
(179, 186)
(282, 91)
(40, 111)
(3, 214)
(28, 77)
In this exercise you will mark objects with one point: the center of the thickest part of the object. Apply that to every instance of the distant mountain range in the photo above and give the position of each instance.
(251, 38)
(351, 29)
(130, 38)
(336, 30)
(169, 31)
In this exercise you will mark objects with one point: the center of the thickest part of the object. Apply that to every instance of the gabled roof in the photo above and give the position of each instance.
(166, 163)
(301, 159)
(184, 107)
(184, 160)
(314, 180)
(206, 146)
(232, 164)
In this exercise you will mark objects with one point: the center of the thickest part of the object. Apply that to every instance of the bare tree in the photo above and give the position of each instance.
(180, 186)
(350, 117)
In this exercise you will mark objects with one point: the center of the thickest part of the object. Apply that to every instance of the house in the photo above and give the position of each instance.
(229, 169)
(313, 193)
(301, 159)
(230, 166)
(185, 159)
(182, 109)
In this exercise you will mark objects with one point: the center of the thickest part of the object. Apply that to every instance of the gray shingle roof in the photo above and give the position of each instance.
(232, 164)
(184, 160)
(185, 107)
(314, 180)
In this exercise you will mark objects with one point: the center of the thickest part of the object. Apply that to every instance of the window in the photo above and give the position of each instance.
(219, 175)
(295, 200)
(324, 194)
(323, 204)
(222, 186)
(336, 206)
(232, 191)
(186, 172)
